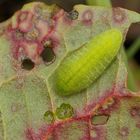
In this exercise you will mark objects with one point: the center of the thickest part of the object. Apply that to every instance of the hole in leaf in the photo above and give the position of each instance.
(28, 64)
(99, 119)
(137, 57)
(48, 55)
(73, 15)
(49, 117)
(64, 111)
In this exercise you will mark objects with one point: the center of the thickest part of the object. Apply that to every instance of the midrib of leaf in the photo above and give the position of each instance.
(51, 100)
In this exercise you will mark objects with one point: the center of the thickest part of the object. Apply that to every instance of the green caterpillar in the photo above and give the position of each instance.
(82, 67)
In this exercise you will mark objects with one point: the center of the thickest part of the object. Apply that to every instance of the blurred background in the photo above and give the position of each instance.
(8, 7)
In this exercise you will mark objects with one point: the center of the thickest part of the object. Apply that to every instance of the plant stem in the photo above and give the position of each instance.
(133, 49)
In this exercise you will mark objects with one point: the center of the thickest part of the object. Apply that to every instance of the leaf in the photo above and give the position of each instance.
(82, 67)
(31, 109)
(111, 120)
(123, 122)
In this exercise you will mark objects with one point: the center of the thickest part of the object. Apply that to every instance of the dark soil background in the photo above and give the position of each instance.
(8, 7)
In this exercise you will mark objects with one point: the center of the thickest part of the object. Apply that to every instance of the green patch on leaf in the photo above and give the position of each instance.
(49, 117)
(64, 111)
(99, 119)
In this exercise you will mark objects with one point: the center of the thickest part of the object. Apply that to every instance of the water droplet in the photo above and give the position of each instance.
(64, 111)
(49, 117)
(99, 119)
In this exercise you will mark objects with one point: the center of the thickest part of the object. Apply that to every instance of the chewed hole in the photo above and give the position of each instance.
(27, 64)
(99, 119)
(64, 111)
(73, 15)
(49, 117)
(48, 55)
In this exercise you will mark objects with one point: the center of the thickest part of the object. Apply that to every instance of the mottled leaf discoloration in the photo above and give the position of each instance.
(31, 108)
